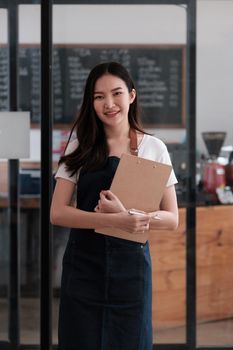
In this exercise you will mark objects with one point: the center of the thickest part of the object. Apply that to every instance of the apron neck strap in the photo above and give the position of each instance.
(133, 142)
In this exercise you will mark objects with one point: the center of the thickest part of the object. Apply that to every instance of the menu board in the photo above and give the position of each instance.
(4, 73)
(158, 73)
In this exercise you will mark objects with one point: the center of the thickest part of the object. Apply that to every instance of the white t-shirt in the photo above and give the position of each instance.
(149, 148)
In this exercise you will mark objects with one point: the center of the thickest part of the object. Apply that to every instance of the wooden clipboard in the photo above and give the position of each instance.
(139, 183)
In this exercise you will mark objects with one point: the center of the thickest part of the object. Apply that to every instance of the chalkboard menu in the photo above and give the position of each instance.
(4, 88)
(158, 73)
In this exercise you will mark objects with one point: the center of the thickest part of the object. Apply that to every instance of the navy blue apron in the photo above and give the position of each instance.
(106, 289)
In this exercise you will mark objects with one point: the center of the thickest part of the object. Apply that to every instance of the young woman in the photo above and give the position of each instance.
(106, 289)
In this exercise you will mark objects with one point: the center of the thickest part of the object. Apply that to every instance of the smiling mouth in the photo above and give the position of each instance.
(111, 114)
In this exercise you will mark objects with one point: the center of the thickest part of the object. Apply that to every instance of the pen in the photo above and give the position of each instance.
(136, 212)
(156, 217)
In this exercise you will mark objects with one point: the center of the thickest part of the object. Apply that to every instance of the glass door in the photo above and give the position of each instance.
(4, 222)
(156, 58)
(214, 148)
(159, 49)
(29, 83)
(20, 180)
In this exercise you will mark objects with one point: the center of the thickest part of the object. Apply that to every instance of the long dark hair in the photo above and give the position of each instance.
(92, 150)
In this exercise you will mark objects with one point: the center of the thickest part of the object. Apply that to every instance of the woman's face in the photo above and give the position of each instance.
(112, 100)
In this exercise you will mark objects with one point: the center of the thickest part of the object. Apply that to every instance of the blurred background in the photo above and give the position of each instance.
(151, 41)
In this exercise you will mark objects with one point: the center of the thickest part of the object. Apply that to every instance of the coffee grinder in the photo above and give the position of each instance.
(213, 172)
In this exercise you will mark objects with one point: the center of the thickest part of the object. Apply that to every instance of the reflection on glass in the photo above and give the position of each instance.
(4, 259)
(214, 217)
(4, 223)
(29, 100)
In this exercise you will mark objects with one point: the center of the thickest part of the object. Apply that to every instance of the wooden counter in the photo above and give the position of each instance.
(25, 202)
(214, 268)
(168, 260)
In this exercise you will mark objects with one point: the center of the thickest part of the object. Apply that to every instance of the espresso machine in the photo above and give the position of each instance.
(229, 171)
(213, 171)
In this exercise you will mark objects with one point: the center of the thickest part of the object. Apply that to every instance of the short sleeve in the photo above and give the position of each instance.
(165, 158)
(62, 171)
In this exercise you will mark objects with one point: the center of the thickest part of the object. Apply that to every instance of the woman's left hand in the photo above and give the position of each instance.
(109, 203)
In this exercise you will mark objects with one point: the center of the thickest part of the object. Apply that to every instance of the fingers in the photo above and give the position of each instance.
(146, 227)
(107, 194)
(97, 208)
(104, 200)
(144, 220)
(140, 230)
(109, 202)
(140, 224)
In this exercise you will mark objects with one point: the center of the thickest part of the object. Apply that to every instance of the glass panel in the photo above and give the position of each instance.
(4, 223)
(155, 56)
(29, 100)
(215, 211)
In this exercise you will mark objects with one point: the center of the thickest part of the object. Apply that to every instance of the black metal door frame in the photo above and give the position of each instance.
(46, 174)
